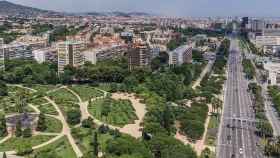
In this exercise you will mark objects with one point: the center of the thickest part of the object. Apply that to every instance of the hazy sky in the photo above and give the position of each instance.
(165, 7)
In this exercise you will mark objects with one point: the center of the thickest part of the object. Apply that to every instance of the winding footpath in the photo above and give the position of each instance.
(199, 145)
(66, 129)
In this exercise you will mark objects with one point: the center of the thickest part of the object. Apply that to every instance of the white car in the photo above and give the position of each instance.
(241, 151)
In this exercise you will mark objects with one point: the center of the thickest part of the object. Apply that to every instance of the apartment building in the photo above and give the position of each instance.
(45, 55)
(180, 55)
(139, 56)
(2, 59)
(70, 53)
(16, 51)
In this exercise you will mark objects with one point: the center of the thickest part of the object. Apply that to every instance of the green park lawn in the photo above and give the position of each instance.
(43, 88)
(59, 149)
(48, 109)
(86, 92)
(114, 112)
(15, 143)
(105, 87)
(84, 137)
(38, 101)
(53, 125)
(63, 95)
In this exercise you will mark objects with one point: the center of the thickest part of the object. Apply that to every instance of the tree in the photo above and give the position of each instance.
(95, 145)
(41, 125)
(88, 123)
(18, 131)
(206, 153)
(3, 127)
(27, 132)
(3, 89)
(168, 119)
(216, 104)
(74, 116)
(4, 155)
(21, 102)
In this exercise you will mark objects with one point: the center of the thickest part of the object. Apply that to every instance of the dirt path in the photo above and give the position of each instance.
(82, 105)
(5, 138)
(66, 129)
(140, 110)
(199, 145)
(207, 68)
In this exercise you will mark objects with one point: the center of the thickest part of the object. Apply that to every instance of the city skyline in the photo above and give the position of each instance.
(182, 8)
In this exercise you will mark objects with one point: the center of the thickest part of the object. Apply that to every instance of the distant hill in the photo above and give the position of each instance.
(117, 13)
(8, 8)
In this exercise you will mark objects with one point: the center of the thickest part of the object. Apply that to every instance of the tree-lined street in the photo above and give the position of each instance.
(237, 130)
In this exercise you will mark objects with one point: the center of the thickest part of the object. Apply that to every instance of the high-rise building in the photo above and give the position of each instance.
(70, 53)
(245, 22)
(180, 55)
(139, 56)
(2, 65)
(258, 25)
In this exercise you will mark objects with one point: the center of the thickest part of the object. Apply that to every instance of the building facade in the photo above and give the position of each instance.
(70, 53)
(139, 56)
(180, 55)
(45, 55)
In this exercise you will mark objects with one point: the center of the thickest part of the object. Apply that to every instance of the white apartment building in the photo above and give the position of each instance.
(268, 43)
(273, 69)
(180, 55)
(70, 53)
(90, 56)
(45, 55)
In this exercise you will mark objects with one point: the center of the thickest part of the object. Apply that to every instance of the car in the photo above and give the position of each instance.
(240, 150)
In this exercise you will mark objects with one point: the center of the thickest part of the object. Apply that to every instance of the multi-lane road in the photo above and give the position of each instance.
(236, 138)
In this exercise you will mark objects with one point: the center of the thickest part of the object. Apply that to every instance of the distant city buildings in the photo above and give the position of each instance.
(69, 53)
(180, 55)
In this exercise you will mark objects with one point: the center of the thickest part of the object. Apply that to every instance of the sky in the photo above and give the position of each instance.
(180, 8)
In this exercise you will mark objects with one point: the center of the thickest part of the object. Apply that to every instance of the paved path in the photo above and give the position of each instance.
(5, 138)
(66, 129)
(84, 114)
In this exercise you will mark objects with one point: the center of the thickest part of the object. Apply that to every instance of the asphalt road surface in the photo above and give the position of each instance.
(236, 134)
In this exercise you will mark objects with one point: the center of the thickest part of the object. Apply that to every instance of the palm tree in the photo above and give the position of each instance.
(216, 104)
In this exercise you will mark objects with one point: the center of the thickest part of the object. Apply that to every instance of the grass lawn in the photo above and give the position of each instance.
(38, 101)
(16, 88)
(53, 125)
(84, 137)
(114, 112)
(104, 86)
(43, 88)
(14, 143)
(63, 95)
(212, 131)
(67, 106)
(48, 109)
(59, 149)
(86, 92)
